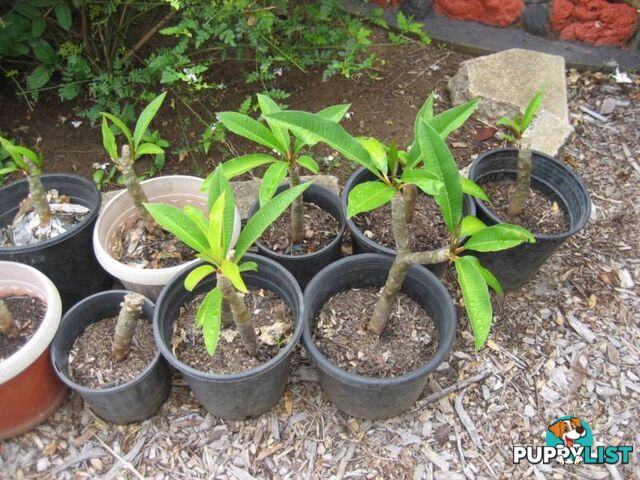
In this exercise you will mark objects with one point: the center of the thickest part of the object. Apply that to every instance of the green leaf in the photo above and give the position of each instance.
(507, 122)
(250, 129)
(425, 113)
(477, 302)
(368, 196)
(196, 275)
(146, 117)
(63, 15)
(335, 113)
(176, 222)
(438, 159)
(243, 164)
(489, 277)
(215, 232)
(267, 105)
(309, 163)
(264, 217)
(531, 110)
(109, 140)
(148, 149)
(393, 158)
(17, 150)
(472, 188)
(273, 177)
(247, 266)
(230, 270)
(499, 237)
(471, 225)
(452, 119)
(218, 183)
(197, 216)
(39, 77)
(7, 170)
(38, 26)
(209, 317)
(120, 125)
(315, 128)
(377, 152)
(426, 181)
(44, 52)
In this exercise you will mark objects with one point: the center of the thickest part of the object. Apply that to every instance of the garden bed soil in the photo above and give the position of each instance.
(320, 228)
(427, 231)
(91, 362)
(541, 215)
(137, 246)
(407, 342)
(271, 317)
(28, 313)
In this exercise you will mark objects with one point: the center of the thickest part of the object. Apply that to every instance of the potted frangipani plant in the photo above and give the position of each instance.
(229, 323)
(374, 360)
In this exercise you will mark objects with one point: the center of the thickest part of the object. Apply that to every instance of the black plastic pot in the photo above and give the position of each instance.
(133, 401)
(304, 267)
(518, 265)
(362, 243)
(369, 397)
(240, 395)
(68, 259)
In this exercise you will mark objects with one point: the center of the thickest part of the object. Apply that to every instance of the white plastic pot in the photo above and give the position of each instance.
(29, 388)
(178, 190)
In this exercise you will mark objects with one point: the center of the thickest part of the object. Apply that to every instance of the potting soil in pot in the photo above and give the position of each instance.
(91, 362)
(320, 228)
(541, 214)
(136, 246)
(26, 228)
(409, 340)
(427, 231)
(272, 319)
(27, 313)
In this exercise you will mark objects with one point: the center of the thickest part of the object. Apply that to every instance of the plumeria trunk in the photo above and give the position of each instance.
(240, 313)
(130, 311)
(226, 314)
(38, 193)
(523, 182)
(403, 260)
(130, 179)
(297, 209)
(409, 192)
(8, 325)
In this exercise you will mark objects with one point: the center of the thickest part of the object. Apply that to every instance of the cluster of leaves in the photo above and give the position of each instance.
(17, 159)
(521, 123)
(211, 238)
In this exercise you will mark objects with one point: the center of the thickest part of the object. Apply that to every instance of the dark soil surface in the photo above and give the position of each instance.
(157, 249)
(408, 341)
(427, 231)
(28, 313)
(541, 215)
(320, 228)
(271, 317)
(91, 362)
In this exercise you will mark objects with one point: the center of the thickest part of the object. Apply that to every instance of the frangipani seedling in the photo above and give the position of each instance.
(437, 175)
(519, 126)
(277, 138)
(210, 236)
(134, 148)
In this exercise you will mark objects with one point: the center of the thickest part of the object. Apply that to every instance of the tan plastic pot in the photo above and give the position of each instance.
(30, 390)
(178, 190)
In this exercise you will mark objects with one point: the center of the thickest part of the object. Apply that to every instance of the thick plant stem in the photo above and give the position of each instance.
(409, 193)
(38, 193)
(130, 310)
(516, 206)
(125, 165)
(241, 316)
(7, 324)
(226, 315)
(297, 208)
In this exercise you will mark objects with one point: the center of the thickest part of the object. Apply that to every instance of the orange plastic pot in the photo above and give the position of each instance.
(30, 390)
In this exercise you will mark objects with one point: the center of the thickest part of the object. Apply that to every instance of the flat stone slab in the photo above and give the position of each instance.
(547, 133)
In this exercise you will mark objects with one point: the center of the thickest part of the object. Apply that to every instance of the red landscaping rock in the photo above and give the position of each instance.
(597, 22)
(492, 12)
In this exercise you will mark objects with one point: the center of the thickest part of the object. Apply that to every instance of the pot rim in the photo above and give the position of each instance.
(365, 381)
(46, 291)
(84, 223)
(307, 256)
(247, 374)
(576, 225)
(142, 276)
(64, 376)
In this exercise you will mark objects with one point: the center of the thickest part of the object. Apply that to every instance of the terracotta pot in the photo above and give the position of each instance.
(30, 390)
